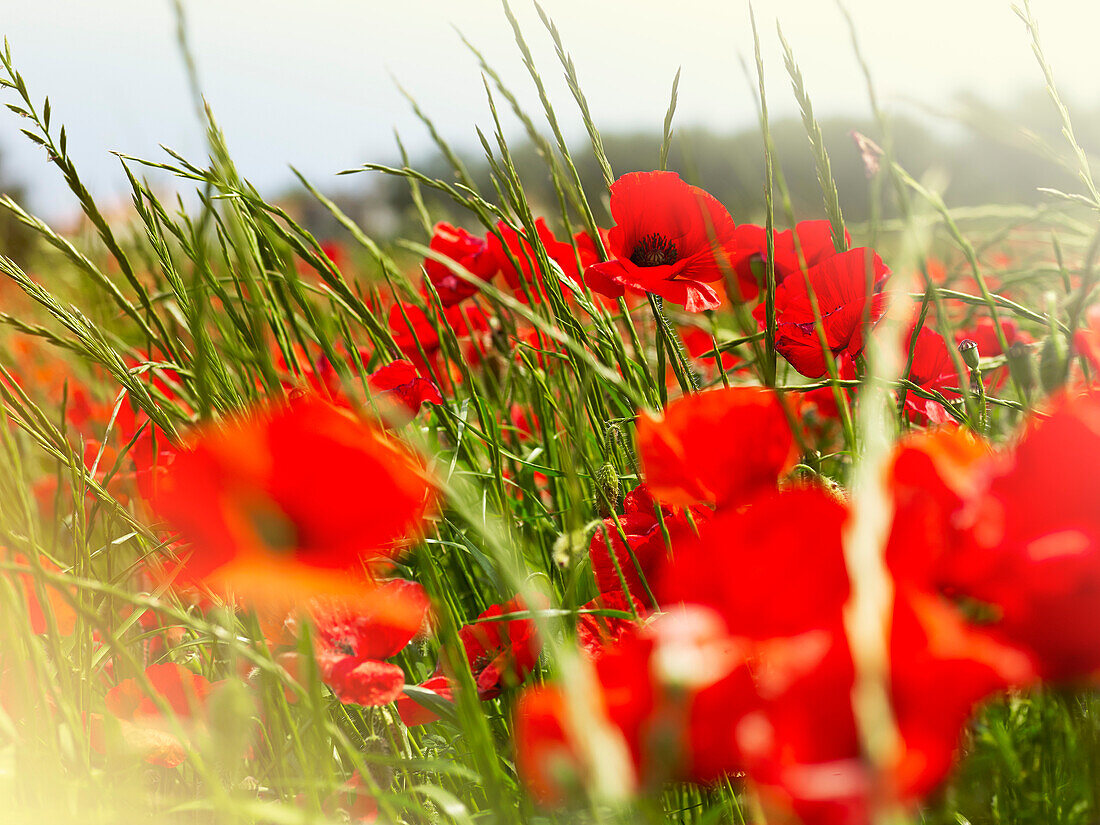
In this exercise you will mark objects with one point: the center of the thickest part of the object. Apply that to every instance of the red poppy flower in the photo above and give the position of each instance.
(413, 331)
(795, 732)
(597, 633)
(646, 679)
(42, 374)
(546, 759)
(840, 284)
(549, 757)
(669, 238)
(785, 542)
(466, 250)
(309, 371)
(352, 639)
(984, 334)
(934, 473)
(401, 381)
(694, 702)
(524, 422)
(648, 548)
(796, 728)
(749, 259)
(144, 728)
(275, 501)
(718, 447)
(699, 341)
(560, 252)
(501, 654)
(413, 713)
(941, 669)
(768, 688)
(352, 803)
(1037, 534)
(814, 245)
(824, 399)
(933, 370)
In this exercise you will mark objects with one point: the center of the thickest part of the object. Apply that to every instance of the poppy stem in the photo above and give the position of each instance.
(684, 374)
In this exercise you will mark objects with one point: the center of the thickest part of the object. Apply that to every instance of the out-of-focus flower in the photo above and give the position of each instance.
(1036, 529)
(1087, 339)
(519, 247)
(984, 334)
(144, 727)
(596, 633)
(754, 672)
(415, 332)
(717, 447)
(283, 502)
(932, 369)
(795, 538)
(64, 616)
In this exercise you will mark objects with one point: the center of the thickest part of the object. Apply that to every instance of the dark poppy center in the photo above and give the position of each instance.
(345, 645)
(653, 250)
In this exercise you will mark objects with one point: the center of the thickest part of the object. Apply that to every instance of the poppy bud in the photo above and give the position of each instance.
(1020, 366)
(968, 349)
(607, 486)
(1052, 363)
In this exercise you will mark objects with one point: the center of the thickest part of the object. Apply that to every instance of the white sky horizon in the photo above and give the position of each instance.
(316, 87)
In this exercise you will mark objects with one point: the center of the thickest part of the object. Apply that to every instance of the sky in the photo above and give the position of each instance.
(315, 84)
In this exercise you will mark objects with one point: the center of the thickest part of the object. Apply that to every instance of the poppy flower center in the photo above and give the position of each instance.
(653, 250)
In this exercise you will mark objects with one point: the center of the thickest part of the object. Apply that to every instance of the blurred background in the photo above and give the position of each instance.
(316, 85)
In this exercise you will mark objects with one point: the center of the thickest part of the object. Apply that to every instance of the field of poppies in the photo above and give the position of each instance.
(592, 511)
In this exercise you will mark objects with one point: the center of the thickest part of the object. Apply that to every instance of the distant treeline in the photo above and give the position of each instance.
(985, 155)
(14, 237)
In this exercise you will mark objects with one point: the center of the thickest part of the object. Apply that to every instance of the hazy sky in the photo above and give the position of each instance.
(312, 83)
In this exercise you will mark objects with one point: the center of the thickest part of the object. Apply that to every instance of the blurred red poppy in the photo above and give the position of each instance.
(415, 332)
(1087, 339)
(596, 633)
(933, 474)
(717, 447)
(501, 653)
(669, 239)
(57, 606)
(310, 371)
(784, 542)
(1037, 540)
(275, 502)
(144, 728)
